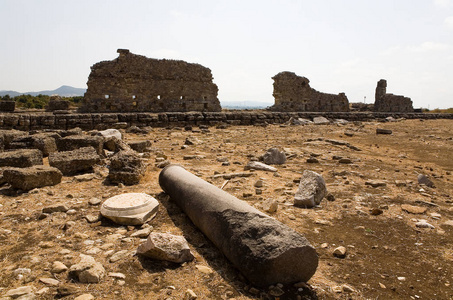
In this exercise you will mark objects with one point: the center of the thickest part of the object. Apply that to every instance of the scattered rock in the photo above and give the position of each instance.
(320, 121)
(58, 267)
(375, 183)
(190, 295)
(130, 208)
(49, 281)
(270, 206)
(413, 209)
(423, 179)
(74, 142)
(424, 224)
(312, 160)
(165, 246)
(256, 165)
(87, 270)
(55, 208)
(117, 256)
(84, 297)
(110, 133)
(94, 201)
(340, 252)
(312, 189)
(140, 146)
(273, 156)
(20, 292)
(142, 233)
(383, 131)
(204, 269)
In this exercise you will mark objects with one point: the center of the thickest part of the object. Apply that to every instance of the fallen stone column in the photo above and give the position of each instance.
(263, 249)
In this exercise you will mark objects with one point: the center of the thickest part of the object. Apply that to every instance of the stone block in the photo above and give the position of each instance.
(76, 161)
(32, 177)
(126, 167)
(73, 142)
(21, 158)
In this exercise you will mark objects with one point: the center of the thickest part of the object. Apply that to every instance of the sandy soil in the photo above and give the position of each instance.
(388, 257)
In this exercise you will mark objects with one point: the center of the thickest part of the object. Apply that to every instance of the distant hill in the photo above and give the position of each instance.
(244, 104)
(63, 91)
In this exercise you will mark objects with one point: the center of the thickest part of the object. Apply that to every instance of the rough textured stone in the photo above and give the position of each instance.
(413, 209)
(130, 208)
(263, 249)
(137, 83)
(139, 146)
(423, 179)
(293, 93)
(312, 189)
(126, 167)
(320, 121)
(165, 246)
(388, 102)
(32, 177)
(110, 133)
(76, 161)
(256, 165)
(273, 156)
(44, 142)
(87, 270)
(21, 158)
(383, 131)
(74, 142)
(20, 291)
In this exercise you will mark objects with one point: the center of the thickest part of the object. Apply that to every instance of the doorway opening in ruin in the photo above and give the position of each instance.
(158, 97)
(205, 105)
(106, 96)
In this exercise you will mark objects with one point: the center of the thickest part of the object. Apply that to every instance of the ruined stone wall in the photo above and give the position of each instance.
(135, 83)
(388, 102)
(293, 93)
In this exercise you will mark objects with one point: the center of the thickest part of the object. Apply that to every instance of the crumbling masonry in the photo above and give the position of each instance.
(388, 102)
(135, 83)
(293, 93)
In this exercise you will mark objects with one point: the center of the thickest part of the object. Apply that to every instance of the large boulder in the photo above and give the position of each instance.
(21, 158)
(7, 136)
(73, 162)
(73, 142)
(165, 246)
(139, 146)
(126, 167)
(312, 189)
(273, 156)
(32, 177)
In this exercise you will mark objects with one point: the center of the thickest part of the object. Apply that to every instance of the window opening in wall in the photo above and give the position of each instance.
(182, 97)
(205, 98)
(133, 97)
(158, 97)
(205, 105)
(106, 96)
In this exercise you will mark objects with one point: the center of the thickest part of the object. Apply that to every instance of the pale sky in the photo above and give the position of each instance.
(340, 46)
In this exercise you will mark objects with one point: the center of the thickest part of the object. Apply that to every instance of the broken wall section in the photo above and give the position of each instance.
(390, 103)
(135, 83)
(293, 93)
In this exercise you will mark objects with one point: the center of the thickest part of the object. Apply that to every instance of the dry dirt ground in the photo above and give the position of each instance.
(388, 257)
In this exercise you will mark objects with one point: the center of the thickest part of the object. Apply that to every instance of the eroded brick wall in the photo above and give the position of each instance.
(293, 93)
(135, 83)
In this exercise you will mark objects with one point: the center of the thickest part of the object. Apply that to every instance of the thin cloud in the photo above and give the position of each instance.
(449, 22)
(442, 3)
(429, 47)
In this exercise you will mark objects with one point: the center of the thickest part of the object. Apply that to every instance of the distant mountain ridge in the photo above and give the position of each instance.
(63, 91)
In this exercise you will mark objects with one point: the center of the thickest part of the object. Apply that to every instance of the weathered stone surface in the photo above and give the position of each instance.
(383, 131)
(388, 102)
(55, 208)
(165, 246)
(423, 179)
(320, 121)
(130, 208)
(299, 121)
(263, 249)
(32, 177)
(137, 83)
(7, 105)
(56, 103)
(76, 161)
(375, 183)
(256, 165)
(21, 158)
(413, 209)
(87, 270)
(340, 252)
(74, 142)
(139, 146)
(293, 93)
(110, 133)
(58, 267)
(44, 142)
(126, 167)
(312, 189)
(273, 156)
(19, 292)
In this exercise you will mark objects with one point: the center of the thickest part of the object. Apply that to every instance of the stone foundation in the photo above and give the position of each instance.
(35, 121)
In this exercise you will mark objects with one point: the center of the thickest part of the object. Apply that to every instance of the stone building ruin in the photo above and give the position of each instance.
(293, 93)
(135, 83)
(388, 102)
